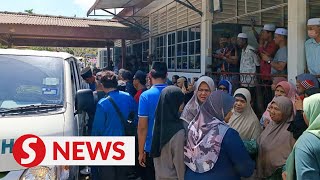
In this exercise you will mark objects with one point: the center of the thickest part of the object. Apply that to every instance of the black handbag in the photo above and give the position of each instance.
(128, 126)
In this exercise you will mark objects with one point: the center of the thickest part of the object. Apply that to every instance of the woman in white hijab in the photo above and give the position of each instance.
(243, 119)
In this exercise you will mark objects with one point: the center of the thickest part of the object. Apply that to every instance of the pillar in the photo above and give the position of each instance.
(124, 52)
(206, 36)
(109, 56)
(296, 38)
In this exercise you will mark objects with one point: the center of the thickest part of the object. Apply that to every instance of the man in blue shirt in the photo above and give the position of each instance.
(108, 123)
(313, 46)
(147, 106)
(87, 76)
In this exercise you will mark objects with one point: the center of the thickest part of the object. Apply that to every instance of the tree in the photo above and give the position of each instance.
(3, 46)
(70, 51)
(29, 11)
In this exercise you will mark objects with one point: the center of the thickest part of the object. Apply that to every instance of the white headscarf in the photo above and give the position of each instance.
(246, 122)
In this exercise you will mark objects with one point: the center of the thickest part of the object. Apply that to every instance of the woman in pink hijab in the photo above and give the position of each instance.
(275, 81)
(283, 88)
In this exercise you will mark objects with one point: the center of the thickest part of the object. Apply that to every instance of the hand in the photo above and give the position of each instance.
(265, 57)
(215, 55)
(218, 56)
(261, 43)
(298, 103)
(284, 175)
(266, 122)
(227, 55)
(228, 116)
(142, 159)
(184, 90)
(190, 87)
(253, 23)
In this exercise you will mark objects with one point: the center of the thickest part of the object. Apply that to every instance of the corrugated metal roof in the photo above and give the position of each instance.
(47, 20)
(108, 4)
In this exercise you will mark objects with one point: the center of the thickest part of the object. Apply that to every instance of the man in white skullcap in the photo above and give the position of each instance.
(248, 63)
(312, 46)
(267, 47)
(279, 62)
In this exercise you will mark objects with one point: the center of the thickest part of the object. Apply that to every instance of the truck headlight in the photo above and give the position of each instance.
(46, 173)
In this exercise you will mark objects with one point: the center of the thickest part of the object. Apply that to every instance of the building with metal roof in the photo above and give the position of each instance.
(185, 33)
(22, 29)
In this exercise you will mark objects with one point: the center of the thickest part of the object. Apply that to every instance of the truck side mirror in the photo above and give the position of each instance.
(85, 101)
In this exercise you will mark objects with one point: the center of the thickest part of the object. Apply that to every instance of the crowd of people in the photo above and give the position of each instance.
(255, 68)
(202, 129)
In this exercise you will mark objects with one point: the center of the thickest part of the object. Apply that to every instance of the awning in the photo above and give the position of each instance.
(109, 4)
(22, 29)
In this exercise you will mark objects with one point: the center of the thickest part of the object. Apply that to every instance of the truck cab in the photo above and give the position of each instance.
(37, 96)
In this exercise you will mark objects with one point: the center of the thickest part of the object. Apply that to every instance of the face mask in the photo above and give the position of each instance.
(312, 34)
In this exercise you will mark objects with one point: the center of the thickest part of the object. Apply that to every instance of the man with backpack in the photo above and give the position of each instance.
(111, 119)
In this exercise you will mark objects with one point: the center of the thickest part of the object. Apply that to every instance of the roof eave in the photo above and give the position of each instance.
(93, 7)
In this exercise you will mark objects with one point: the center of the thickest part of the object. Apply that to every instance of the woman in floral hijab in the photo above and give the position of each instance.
(214, 150)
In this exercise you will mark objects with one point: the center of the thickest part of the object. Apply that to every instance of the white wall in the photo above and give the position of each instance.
(206, 43)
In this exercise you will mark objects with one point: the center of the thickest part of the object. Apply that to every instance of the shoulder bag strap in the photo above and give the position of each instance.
(122, 119)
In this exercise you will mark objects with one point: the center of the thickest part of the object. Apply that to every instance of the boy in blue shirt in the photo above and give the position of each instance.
(147, 107)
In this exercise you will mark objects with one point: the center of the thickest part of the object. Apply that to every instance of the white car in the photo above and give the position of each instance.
(37, 96)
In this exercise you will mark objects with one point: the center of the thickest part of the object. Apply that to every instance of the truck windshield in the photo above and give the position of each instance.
(30, 80)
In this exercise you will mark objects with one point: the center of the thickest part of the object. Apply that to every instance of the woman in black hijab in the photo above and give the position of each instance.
(169, 136)
(298, 126)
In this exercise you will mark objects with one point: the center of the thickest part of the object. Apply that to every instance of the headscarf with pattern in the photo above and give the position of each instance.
(206, 132)
(308, 81)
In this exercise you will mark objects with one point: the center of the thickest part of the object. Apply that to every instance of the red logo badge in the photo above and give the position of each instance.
(29, 150)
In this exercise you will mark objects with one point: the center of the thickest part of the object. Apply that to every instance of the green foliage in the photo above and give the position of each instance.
(3, 46)
(41, 48)
(29, 11)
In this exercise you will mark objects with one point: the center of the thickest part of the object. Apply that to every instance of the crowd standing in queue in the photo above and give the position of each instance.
(210, 128)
